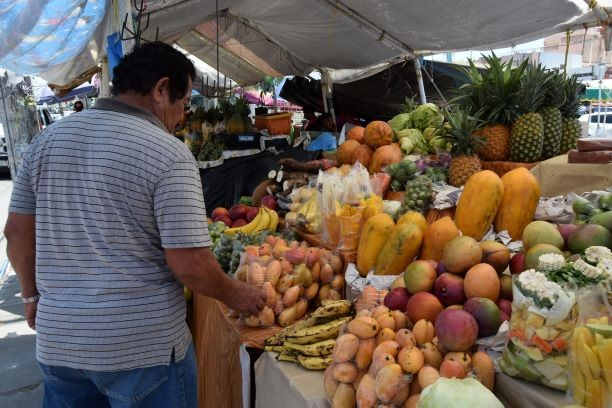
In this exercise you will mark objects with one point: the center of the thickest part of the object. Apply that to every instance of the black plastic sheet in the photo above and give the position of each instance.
(225, 184)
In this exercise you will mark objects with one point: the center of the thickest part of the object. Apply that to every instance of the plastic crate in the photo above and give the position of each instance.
(275, 123)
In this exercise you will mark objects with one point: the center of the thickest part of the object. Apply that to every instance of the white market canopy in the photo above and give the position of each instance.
(346, 37)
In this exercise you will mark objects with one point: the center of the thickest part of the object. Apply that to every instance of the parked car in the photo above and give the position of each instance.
(599, 124)
(44, 118)
(4, 164)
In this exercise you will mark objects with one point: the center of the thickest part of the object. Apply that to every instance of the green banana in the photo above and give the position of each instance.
(315, 363)
(322, 348)
(318, 333)
(337, 308)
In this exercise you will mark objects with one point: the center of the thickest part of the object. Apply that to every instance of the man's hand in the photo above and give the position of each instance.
(245, 299)
(30, 314)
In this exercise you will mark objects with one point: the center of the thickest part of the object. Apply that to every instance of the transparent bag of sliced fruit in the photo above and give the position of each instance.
(543, 317)
(590, 350)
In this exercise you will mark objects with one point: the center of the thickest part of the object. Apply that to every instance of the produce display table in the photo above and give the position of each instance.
(282, 385)
(516, 393)
(218, 339)
(558, 177)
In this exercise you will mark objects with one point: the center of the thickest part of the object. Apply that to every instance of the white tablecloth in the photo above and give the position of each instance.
(287, 385)
(284, 385)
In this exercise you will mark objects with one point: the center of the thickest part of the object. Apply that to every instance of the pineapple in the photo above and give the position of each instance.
(237, 115)
(527, 133)
(493, 90)
(464, 140)
(570, 126)
(551, 115)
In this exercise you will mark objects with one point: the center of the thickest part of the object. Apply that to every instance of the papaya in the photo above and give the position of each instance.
(519, 202)
(376, 231)
(399, 250)
(415, 218)
(478, 204)
(435, 238)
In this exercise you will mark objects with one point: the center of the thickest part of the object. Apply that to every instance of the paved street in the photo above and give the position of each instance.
(20, 386)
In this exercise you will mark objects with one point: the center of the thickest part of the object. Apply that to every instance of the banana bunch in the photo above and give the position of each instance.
(591, 365)
(266, 219)
(310, 342)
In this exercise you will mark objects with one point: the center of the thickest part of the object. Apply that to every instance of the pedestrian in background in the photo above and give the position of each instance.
(106, 224)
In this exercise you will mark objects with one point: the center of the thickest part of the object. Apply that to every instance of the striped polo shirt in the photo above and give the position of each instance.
(110, 189)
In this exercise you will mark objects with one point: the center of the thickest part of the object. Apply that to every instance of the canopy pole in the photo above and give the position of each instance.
(104, 81)
(419, 75)
(327, 85)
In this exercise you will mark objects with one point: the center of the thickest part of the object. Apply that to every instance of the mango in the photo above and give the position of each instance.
(363, 327)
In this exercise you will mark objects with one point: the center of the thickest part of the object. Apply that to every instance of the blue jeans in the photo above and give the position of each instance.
(162, 386)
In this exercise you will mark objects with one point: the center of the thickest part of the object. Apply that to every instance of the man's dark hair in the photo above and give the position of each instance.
(308, 109)
(140, 70)
(78, 103)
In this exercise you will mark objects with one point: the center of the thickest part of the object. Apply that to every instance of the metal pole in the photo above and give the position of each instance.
(217, 9)
(104, 80)
(419, 75)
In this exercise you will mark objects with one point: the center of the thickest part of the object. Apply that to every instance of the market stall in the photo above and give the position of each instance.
(401, 271)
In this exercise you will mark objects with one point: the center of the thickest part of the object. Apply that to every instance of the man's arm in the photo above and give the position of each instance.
(20, 236)
(198, 269)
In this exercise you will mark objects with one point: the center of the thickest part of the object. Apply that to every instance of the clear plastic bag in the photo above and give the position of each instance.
(537, 341)
(590, 350)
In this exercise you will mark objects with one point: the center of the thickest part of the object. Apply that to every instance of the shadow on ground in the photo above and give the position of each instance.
(21, 384)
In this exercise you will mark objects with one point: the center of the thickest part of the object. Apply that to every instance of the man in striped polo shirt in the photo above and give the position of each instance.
(106, 224)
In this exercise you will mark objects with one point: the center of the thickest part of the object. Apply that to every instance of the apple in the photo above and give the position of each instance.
(238, 211)
(239, 222)
(252, 213)
(269, 201)
(224, 219)
(219, 211)
(517, 263)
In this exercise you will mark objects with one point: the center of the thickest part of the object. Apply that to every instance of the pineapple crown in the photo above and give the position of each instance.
(533, 88)
(493, 89)
(461, 128)
(573, 90)
(555, 90)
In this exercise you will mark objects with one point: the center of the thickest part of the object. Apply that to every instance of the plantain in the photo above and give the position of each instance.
(318, 333)
(274, 348)
(314, 363)
(302, 324)
(337, 308)
(322, 348)
(286, 356)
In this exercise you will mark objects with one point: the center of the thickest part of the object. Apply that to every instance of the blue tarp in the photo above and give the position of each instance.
(46, 33)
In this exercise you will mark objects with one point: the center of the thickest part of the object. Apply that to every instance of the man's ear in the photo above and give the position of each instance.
(160, 88)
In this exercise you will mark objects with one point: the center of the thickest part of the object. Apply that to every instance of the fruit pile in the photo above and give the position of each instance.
(310, 341)
(290, 275)
(591, 363)
(247, 219)
(378, 360)
(371, 146)
(304, 210)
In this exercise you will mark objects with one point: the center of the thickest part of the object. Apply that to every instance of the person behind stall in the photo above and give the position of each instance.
(106, 224)
(326, 123)
(312, 123)
(78, 106)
